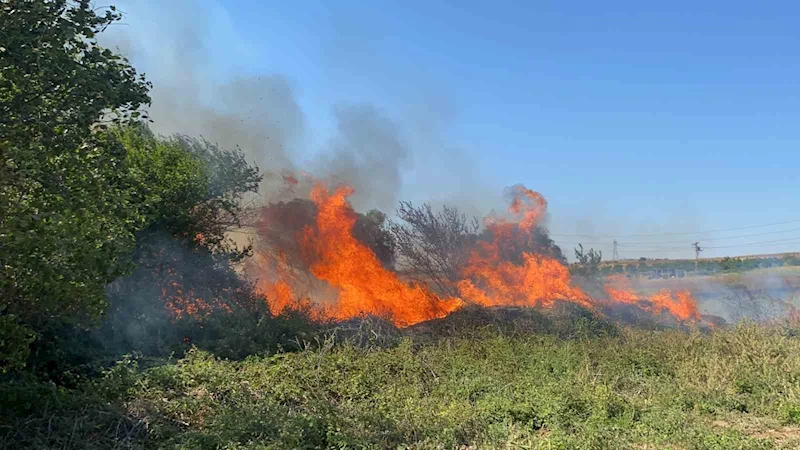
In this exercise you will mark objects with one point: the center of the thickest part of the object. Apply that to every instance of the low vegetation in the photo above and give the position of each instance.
(477, 388)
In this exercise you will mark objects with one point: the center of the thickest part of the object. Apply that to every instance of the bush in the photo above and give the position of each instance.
(15, 342)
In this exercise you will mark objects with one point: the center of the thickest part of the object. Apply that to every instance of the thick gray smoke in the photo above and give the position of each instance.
(368, 152)
(260, 114)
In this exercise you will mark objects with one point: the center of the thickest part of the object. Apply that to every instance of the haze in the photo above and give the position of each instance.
(631, 118)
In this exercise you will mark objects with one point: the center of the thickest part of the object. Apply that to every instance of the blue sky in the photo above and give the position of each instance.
(631, 118)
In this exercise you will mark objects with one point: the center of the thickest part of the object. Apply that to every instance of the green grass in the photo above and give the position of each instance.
(731, 389)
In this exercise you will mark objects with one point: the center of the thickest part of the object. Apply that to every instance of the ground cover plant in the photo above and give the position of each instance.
(479, 387)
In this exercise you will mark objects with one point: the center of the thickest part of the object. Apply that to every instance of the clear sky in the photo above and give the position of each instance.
(630, 117)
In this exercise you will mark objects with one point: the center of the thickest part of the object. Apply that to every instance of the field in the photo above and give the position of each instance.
(712, 291)
(766, 278)
(563, 382)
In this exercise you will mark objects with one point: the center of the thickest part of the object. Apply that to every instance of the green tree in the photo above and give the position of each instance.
(728, 264)
(588, 263)
(790, 260)
(189, 194)
(191, 189)
(69, 215)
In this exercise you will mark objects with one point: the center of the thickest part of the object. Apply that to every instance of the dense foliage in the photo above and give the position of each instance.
(108, 232)
(189, 194)
(68, 218)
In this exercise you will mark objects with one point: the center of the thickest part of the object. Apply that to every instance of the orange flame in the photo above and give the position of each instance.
(501, 271)
(538, 281)
(681, 304)
(363, 285)
(528, 203)
(492, 280)
(280, 294)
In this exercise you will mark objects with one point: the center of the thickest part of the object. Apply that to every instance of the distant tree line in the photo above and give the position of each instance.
(725, 265)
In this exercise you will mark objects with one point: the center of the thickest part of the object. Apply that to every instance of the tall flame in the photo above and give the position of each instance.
(364, 285)
(492, 279)
(503, 269)
(538, 281)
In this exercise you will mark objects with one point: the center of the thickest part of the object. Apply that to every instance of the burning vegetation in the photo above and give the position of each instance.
(320, 255)
(680, 304)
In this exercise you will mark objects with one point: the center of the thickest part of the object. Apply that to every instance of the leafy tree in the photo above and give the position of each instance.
(69, 212)
(189, 194)
(191, 189)
(729, 264)
(791, 260)
(588, 263)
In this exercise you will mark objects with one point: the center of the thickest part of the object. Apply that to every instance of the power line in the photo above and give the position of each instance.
(688, 248)
(678, 234)
(639, 252)
(748, 244)
(653, 247)
(658, 244)
(646, 249)
(713, 239)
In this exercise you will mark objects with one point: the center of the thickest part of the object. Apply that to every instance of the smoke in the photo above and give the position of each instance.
(368, 152)
(258, 114)
(172, 44)
(177, 46)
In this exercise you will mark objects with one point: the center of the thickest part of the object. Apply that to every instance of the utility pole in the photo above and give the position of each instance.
(697, 250)
(615, 253)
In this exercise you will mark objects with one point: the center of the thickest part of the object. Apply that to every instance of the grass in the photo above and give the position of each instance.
(736, 388)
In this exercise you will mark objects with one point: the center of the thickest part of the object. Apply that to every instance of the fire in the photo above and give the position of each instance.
(281, 295)
(680, 304)
(529, 204)
(363, 285)
(278, 290)
(539, 280)
(492, 278)
(312, 249)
